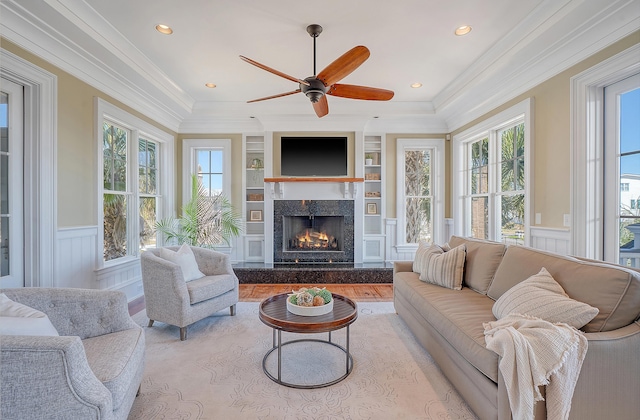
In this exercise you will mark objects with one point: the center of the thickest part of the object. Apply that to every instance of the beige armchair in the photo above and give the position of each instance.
(169, 299)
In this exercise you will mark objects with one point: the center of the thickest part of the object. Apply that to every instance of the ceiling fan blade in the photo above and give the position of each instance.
(321, 107)
(274, 71)
(344, 65)
(360, 92)
(275, 96)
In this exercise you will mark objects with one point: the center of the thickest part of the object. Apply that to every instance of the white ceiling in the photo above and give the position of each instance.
(113, 45)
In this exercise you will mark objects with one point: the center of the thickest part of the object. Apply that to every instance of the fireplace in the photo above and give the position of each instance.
(313, 231)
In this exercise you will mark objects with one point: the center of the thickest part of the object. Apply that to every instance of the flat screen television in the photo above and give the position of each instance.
(313, 156)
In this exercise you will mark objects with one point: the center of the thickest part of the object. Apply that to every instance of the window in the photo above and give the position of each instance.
(210, 159)
(420, 177)
(622, 167)
(136, 175)
(587, 166)
(491, 190)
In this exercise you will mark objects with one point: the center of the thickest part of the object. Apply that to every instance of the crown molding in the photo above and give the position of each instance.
(107, 73)
(539, 53)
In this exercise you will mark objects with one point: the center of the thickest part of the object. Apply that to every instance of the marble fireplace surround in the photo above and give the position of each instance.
(314, 208)
(289, 196)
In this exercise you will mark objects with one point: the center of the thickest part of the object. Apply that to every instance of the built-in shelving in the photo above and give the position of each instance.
(253, 202)
(373, 198)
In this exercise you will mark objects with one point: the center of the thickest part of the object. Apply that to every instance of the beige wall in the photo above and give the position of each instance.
(551, 141)
(77, 148)
(77, 173)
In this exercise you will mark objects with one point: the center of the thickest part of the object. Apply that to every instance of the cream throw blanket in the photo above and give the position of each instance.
(535, 352)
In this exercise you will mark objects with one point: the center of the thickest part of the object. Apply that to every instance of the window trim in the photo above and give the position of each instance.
(138, 128)
(522, 111)
(437, 184)
(189, 147)
(587, 143)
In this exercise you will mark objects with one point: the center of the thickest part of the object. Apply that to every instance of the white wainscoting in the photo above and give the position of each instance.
(546, 239)
(76, 260)
(551, 239)
(76, 256)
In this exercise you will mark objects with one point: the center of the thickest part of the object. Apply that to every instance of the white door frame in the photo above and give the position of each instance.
(612, 164)
(40, 161)
(15, 162)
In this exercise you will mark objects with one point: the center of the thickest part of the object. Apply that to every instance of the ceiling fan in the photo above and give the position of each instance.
(326, 82)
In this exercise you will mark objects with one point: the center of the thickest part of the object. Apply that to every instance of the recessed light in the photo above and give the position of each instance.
(416, 85)
(164, 29)
(210, 85)
(462, 30)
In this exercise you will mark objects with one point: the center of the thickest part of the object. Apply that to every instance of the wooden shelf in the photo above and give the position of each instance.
(312, 179)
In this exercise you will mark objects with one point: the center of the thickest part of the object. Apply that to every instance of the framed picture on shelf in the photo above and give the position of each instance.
(255, 215)
(372, 208)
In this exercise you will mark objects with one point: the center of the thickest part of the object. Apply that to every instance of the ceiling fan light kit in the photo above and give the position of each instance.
(318, 86)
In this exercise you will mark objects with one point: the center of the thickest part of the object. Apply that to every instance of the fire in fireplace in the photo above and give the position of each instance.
(313, 233)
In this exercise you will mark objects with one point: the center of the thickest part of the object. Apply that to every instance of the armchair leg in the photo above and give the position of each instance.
(183, 333)
(150, 323)
(232, 310)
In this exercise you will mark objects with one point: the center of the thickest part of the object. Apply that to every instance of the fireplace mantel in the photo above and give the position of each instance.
(326, 188)
(314, 179)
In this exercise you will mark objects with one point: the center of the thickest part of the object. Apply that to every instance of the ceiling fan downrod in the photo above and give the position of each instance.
(314, 30)
(316, 88)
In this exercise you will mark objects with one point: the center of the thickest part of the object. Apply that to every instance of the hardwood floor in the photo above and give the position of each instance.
(257, 292)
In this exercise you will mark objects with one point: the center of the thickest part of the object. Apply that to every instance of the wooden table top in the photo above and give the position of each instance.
(274, 313)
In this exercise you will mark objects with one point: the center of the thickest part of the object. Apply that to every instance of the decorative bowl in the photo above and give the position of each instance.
(310, 310)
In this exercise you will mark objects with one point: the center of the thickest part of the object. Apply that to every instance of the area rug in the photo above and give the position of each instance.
(217, 372)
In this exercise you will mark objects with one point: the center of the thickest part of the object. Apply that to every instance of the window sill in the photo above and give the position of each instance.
(117, 265)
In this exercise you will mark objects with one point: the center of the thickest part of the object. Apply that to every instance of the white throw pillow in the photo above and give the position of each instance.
(442, 268)
(185, 259)
(542, 297)
(19, 319)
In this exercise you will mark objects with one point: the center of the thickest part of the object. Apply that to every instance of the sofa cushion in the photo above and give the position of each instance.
(482, 261)
(542, 297)
(209, 287)
(443, 268)
(456, 315)
(185, 259)
(614, 290)
(114, 359)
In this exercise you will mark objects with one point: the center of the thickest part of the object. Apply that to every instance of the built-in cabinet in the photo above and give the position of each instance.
(253, 151)
(373, 218)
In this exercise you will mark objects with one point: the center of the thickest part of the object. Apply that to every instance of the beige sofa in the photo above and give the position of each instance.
(448, 323)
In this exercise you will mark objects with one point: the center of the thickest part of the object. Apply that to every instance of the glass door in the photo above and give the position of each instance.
(622, 172)
(11, 185)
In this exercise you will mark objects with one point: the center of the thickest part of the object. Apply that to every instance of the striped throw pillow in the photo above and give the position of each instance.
(422, 250)
(442, 268)
(542, 297)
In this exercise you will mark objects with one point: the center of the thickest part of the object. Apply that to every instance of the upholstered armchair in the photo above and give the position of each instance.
(92, 370)
(172, 300)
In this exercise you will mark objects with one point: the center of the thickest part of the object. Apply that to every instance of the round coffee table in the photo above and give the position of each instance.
(274, 313)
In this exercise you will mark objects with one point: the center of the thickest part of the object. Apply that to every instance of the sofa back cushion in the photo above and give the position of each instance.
(482, 261)
(613, 289)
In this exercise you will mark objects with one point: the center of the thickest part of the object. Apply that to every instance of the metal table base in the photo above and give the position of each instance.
(277, 346)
